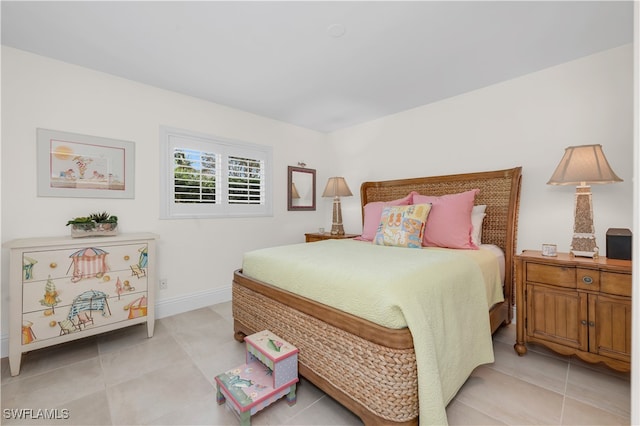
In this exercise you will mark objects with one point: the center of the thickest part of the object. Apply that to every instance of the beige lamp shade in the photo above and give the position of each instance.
(337, 187)
(584, 164)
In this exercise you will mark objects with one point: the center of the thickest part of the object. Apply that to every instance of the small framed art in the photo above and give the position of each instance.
(73, 165)
(549, 250)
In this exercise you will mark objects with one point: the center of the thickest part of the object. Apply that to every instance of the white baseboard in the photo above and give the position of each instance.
(190, 302)
(166, 308)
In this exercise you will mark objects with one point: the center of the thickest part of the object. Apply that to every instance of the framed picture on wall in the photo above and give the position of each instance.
(74, 165)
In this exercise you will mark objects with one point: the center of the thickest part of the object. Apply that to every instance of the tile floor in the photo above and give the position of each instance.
(123, 378)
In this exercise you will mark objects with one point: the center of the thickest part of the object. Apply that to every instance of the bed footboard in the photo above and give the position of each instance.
(376, 382)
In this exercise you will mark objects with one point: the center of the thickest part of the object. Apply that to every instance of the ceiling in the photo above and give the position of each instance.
(319, 65)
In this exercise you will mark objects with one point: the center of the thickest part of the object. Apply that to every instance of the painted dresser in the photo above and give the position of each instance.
(64, 288)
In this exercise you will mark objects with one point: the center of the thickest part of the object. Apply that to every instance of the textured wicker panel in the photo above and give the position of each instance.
(494, 192)
(383, 380)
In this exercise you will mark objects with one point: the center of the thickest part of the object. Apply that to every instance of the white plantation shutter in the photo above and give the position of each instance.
(194, 176)
(246, 180)
(205, 176)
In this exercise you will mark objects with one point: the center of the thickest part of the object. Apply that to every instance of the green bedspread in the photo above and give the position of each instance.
(441, 295)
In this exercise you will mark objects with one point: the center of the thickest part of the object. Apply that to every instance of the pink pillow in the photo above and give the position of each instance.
(449, 222)
(373, 213)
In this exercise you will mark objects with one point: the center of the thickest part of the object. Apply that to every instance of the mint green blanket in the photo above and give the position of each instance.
(441, 295)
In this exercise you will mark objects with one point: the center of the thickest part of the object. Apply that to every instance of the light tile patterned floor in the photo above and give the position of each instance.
(123, 378)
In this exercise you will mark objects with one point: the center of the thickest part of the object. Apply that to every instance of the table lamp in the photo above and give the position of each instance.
(583, 165)
(336, 188)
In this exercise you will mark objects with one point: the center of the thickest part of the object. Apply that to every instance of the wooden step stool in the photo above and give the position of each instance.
(270, 372)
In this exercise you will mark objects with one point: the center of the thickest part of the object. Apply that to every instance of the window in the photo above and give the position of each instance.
(206, 176)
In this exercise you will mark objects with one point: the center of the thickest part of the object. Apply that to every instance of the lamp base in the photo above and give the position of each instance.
(584, 239)
(584, 246)
(336, 226)
(337, 229)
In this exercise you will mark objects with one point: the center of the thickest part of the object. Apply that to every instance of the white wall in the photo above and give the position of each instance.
(527, 122)
(197, 257)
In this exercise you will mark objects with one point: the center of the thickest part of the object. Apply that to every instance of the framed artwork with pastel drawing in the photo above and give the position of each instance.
(75, 165)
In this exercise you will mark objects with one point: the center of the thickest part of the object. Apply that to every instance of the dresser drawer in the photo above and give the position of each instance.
(85, 262)
(554, 275)
(615, 283)
(121, 258)
(588, 279)
(40, 265)
(39, 295)
(96, 312)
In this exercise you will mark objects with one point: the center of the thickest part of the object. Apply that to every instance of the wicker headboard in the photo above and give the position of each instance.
(499, 190)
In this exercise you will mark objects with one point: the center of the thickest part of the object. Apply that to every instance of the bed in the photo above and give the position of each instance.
(369, 368)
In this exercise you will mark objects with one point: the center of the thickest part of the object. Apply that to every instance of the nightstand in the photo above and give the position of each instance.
(575, 306)
(315, 236)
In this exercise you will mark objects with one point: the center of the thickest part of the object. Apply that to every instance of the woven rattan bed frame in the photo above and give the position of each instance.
(368, 368)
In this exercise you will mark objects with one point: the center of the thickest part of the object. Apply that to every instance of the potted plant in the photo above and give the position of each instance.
(96, 224)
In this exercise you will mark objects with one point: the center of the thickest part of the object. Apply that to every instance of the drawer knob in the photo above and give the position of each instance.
(592, 324)
(583, 322)
(587, 279)
(53, 265)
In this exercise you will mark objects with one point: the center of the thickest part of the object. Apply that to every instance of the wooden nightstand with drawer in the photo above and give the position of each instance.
(575, 306)
(316, 236)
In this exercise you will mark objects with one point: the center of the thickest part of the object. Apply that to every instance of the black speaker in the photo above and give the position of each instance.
(619, 243)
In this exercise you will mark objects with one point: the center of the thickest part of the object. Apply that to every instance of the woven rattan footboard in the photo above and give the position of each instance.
(370, 369)
(377, 382)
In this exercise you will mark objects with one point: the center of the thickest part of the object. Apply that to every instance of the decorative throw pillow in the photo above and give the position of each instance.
(402, 226)
(449, 223)
(373, 212)
(477, 217)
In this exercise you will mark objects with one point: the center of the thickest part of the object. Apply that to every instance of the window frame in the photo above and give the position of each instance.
(171, 138)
